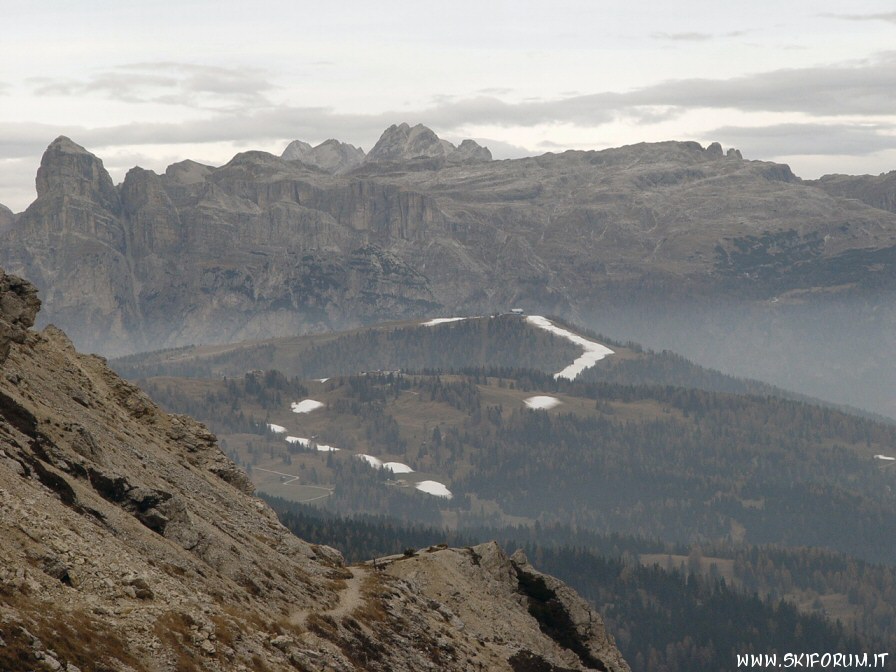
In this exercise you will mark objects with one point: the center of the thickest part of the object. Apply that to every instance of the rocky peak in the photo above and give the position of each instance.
(187, 172)
(18, 309)
(402, 142)
(67, 168)
(470, 151)
(296, 151)
(331, 156)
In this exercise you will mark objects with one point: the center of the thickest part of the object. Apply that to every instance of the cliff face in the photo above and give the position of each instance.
(132, 543)
(264, 247)
(878, 191)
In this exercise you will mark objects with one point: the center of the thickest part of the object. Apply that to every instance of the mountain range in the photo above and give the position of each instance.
(673, 244)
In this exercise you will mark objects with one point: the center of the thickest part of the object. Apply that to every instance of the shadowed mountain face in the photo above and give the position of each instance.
(669, 243)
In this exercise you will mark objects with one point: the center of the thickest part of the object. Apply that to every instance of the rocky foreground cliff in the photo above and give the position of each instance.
(130, 542)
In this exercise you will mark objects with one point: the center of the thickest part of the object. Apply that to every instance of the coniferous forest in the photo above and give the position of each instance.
(720, 515)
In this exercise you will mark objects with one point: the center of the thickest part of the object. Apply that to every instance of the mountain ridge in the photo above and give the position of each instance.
(132, 543)
(639, 241)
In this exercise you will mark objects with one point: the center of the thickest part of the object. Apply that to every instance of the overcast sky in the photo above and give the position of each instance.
(812, 84)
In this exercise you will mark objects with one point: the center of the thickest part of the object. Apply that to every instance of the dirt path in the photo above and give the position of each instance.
(349, 599)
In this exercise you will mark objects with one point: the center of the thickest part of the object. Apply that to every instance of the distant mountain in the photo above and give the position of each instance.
(331, 156)
(6, 218)
(738, 263)
(400, 143)
(878, 191)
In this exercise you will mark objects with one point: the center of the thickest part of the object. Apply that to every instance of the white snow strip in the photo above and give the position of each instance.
(374, 462)
(434, 488)
(442, 320)
(305, 406)
(594, 352)
(322, 380)
(277, 429)
(884, 457)
(398, 468)
(542, 402)
(307, 443)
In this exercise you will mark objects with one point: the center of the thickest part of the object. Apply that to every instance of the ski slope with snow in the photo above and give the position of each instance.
(594, 352)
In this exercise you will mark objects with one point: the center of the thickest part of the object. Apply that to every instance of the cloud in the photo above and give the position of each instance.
(863, 87)
(694, 36)
(884, 16)
(505, 150)
(27, 139)
(167, 82)
(856, 89)
(807, 139)
(683, 37)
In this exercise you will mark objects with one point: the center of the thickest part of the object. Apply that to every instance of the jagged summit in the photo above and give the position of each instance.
(331, 156)
(397, 144)
(402, 142)
(67, 167)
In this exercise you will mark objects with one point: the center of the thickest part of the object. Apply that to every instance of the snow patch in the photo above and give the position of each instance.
(308, 443)
(542, 402)
(322, 380)
(374, 462)
(306, 406)
(434, 488)
(277, 429)
(394, 467)
(594, 352)
(884, 457)
(442, 320)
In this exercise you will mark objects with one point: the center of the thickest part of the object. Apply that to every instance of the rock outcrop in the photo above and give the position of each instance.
(562, 631)
(331, 156)
(130, 542)
(402, 143)
(469, 151)
(18, 308)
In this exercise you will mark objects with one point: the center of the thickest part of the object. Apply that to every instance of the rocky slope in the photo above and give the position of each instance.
(878, 191)
(132, 543)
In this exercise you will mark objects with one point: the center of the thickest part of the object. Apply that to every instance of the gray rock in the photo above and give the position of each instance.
(331, 156)
(402, 143)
